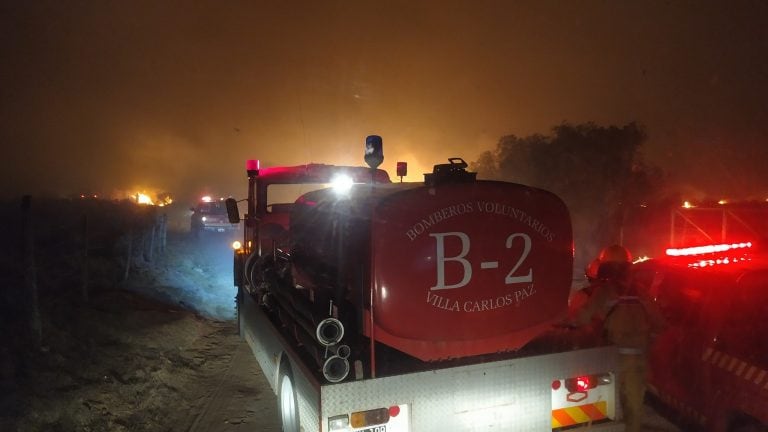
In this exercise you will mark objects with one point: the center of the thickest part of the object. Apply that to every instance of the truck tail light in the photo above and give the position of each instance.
(369, 418)
(586, 382)
(395, 419)
(582, 383)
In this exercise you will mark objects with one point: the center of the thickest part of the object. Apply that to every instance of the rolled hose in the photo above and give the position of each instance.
(335, 369)
(329, 332)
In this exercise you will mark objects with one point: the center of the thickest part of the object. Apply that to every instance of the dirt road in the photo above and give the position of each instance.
(241, 401)
(127, 362)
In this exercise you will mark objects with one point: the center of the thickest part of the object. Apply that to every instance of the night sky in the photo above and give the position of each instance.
(108, 96)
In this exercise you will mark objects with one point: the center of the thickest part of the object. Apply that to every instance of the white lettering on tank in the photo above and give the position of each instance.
(442, 302)
(436, 217)
(441, 259)
(528, 277)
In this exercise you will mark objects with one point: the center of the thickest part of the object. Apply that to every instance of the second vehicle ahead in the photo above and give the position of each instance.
(210, 215)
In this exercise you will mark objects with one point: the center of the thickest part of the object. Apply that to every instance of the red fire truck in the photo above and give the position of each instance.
(377, 306)
(710, 365)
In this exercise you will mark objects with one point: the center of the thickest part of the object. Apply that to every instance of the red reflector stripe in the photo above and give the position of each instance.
(593, 412)
(579, 414)
(561, 418)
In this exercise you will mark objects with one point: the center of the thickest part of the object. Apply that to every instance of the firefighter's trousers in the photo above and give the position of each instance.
(632, 389)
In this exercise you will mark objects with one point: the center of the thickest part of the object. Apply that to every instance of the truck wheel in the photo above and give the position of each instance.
(288, 403)
(238, 313)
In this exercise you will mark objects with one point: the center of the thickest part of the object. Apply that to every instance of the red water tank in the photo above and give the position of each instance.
(455, 270)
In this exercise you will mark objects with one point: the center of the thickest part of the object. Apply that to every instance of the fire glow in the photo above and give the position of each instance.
(143, 198)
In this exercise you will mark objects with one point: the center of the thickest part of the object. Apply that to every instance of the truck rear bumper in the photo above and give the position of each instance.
(511, 395)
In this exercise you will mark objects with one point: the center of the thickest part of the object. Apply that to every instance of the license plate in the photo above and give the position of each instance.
(221, 229)
(382, 428)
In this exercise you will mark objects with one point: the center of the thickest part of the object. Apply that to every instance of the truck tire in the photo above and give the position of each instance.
(238, 311)
(288, 403)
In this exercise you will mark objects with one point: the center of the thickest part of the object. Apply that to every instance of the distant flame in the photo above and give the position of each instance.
(143, 198)
(158, 199)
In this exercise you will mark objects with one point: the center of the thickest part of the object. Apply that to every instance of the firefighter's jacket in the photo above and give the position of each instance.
(596, 306)
(629, 321)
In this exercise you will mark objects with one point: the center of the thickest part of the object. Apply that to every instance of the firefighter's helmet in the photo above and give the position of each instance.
(591, 270)
(615, 253)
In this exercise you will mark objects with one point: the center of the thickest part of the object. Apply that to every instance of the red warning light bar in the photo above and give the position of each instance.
(719, 261)
(709, 249)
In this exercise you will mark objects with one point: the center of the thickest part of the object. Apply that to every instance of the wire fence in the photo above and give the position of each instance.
(64, 250)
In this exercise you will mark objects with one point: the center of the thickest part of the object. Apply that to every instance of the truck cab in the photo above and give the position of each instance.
(710, 364)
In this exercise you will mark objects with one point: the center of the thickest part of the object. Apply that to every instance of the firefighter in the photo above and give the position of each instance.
(580, 297)
(628, 322)
(589, 333)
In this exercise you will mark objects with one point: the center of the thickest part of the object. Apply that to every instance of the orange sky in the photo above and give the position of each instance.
(175, 95)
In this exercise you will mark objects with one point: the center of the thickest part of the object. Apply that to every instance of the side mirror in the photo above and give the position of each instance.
(233, 213)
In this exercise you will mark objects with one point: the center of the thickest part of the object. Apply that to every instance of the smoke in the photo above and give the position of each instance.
(176, 96)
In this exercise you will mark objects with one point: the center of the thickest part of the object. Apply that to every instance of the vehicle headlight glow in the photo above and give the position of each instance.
(203, 218)
(341, 184)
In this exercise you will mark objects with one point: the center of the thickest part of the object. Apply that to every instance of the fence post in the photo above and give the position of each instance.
(164, 231)
(129, 255)
(85, 275)
(32, 309)
(143, 253)
(152, 240)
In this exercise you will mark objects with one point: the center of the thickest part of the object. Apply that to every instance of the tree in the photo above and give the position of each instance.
(598, 171)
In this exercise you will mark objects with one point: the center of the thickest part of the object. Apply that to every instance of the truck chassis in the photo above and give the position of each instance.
(507, 395)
